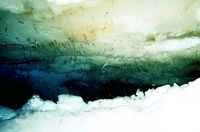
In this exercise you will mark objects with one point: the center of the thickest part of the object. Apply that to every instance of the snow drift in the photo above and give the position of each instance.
(163, 109)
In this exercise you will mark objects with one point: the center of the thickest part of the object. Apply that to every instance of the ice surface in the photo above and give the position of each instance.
(54, 43)
(64, 2)
(63, 45)
(166, 109)
(173, 45)
(6, 113)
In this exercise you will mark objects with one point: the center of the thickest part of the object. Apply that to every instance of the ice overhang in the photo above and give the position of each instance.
(99, 48)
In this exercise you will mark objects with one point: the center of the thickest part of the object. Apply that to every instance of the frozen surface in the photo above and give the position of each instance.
(61, 46)
(6, 113)
(85, 46)
(166, 109)
(64, 2)
(173, 45)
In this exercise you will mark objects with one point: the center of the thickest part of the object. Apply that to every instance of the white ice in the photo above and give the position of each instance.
(165, 109)
(64, 2)
(173, 45)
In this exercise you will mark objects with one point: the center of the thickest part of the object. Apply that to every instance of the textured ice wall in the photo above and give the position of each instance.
(93, 48)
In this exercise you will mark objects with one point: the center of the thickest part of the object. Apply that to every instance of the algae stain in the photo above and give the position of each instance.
(89, 32)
